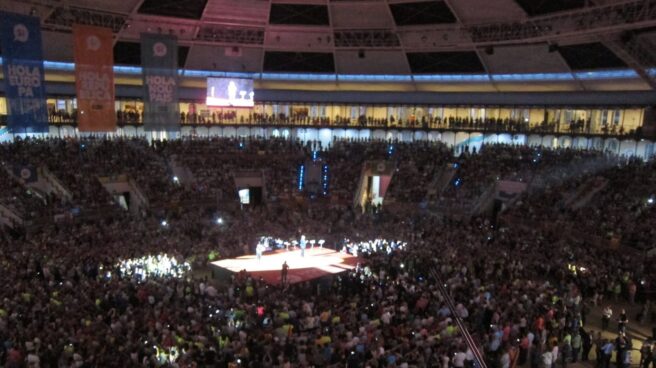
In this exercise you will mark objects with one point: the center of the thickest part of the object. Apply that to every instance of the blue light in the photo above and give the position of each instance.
(374, 78)
(210, 73)
(299, 76)
(123, 69)
(57, 65)
(456, 165)
(404, 78)
(324, 179)
(241, 145)
(457, 182)
(301, 176)
(390, 150)
(451, 78)
(531, 77)
(315, 155)
(607, 74)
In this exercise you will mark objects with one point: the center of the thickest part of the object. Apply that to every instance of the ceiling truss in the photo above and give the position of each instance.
(601, 21)
(591, 20)
(63, 18)
(366, 38)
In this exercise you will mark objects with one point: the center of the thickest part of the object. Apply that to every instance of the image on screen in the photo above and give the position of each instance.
(230, 92)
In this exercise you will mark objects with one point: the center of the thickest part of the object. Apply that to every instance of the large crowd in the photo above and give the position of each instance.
(89, 291)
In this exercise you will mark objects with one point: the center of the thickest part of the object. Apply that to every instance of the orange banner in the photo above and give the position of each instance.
(94, 79)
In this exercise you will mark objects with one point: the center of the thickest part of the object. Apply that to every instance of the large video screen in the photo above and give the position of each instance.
(230, 92)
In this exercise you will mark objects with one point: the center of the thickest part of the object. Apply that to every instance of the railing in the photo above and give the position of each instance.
(9, 217)
(134, 187)
(469, 340)
(586, 192)
(359, 192)
(57, 187)
(484, 199)
(444, 125)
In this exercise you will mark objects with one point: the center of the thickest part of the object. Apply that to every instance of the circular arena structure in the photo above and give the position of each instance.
(327, 183)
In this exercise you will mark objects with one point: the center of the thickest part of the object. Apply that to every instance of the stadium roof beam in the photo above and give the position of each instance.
(637, 53)
(366, 38)
(591, 20)
(133, 11)
(63, 17)
(250, 36)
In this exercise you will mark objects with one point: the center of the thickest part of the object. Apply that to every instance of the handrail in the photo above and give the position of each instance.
(10, 217)
(54, 182)
(418, 127)
(484, 198)
(137, 191)
(478, 357)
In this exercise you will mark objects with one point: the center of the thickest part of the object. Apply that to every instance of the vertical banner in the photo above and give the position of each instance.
(22, 65)
(94, 78)
(159, 58)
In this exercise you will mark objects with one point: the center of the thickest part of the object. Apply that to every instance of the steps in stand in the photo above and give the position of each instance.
(45, 183)
(586, 192)
(182, 173)
(441, 181)
(48, 183)
(374, 181)
(126, 192)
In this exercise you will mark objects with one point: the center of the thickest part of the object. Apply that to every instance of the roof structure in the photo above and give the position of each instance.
(397, 37)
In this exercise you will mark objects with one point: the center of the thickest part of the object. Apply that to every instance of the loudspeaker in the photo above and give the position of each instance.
(361, 54)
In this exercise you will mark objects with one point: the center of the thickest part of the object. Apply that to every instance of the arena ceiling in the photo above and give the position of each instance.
(370, 36)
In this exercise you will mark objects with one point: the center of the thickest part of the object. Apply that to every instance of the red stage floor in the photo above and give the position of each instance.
(317, 262)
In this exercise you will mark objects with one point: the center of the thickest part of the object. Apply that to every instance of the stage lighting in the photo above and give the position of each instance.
(164, 223)
(175, 179)
(650, 200)
(219, 221)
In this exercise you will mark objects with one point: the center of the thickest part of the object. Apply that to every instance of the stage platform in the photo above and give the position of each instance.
(318, 262)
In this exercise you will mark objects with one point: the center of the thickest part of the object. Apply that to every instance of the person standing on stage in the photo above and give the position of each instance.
(622, 321)
(283, 273)
(259, 250)
(303, 244)
(605, 317)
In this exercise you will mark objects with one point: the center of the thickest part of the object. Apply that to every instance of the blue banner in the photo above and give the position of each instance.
(159, 57)
(22, 64)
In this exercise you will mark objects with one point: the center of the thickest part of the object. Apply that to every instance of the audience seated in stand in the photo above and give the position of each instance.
(67, 302)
